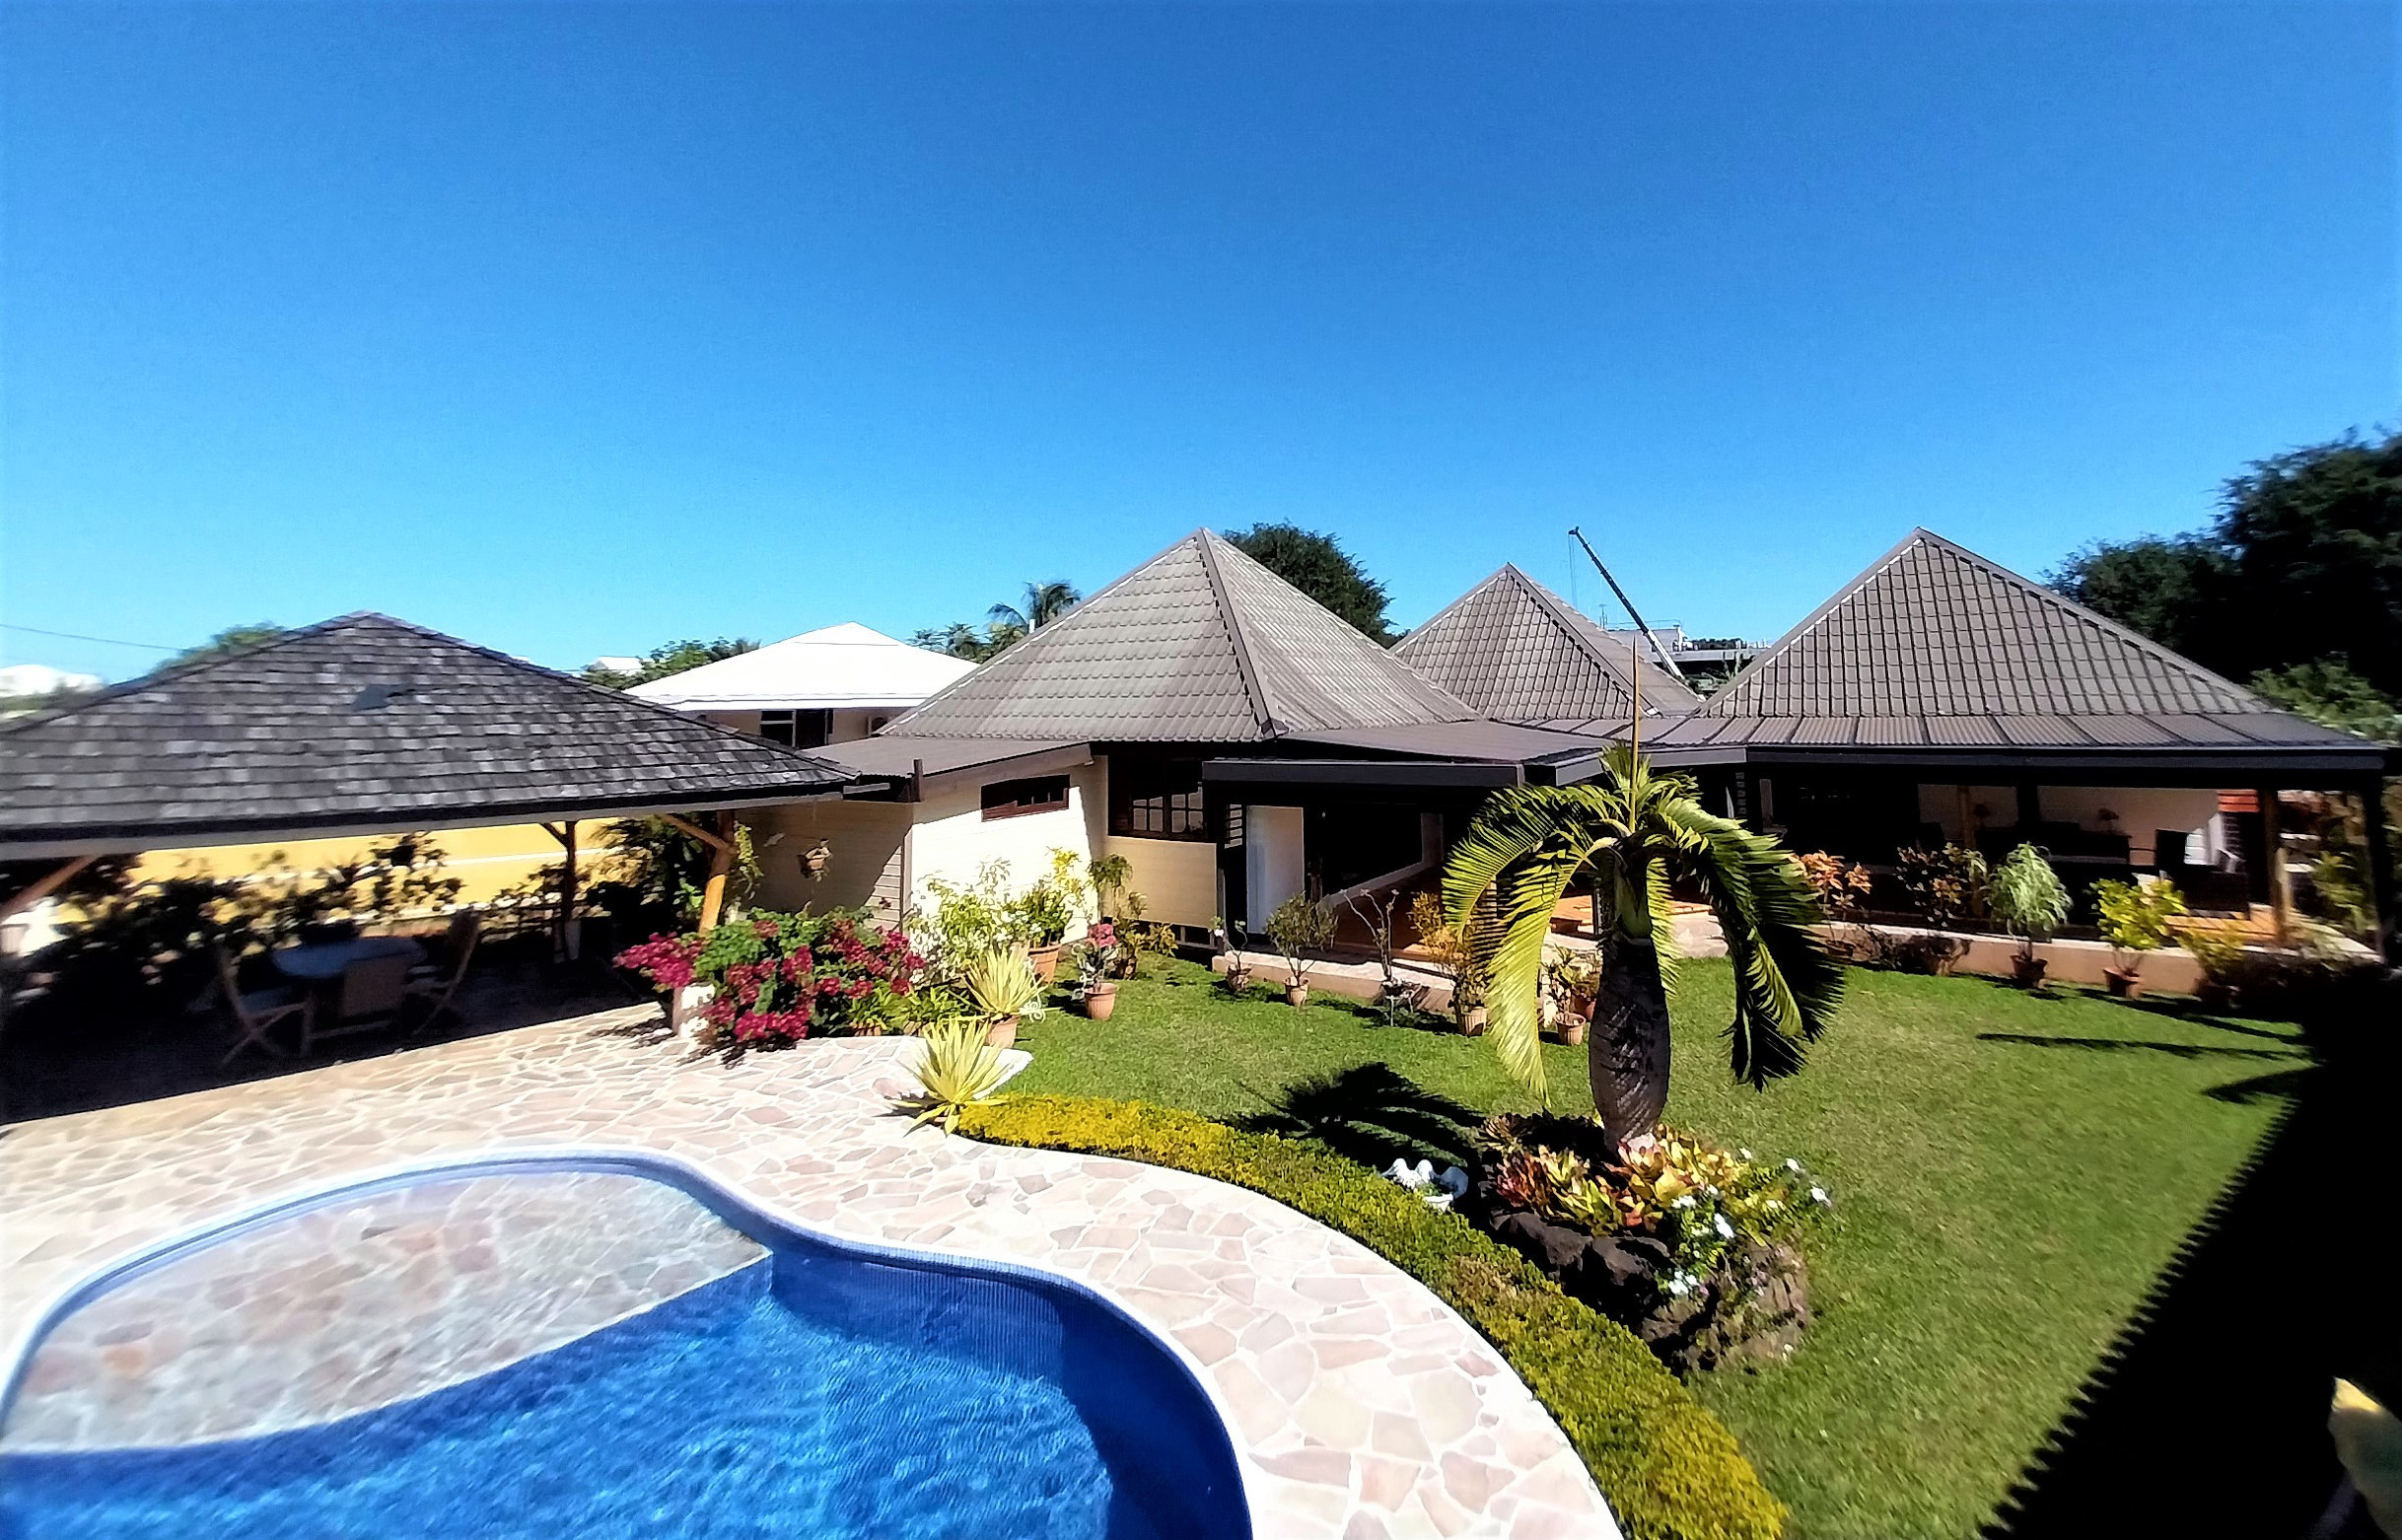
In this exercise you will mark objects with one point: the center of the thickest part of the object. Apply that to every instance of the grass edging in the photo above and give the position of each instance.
(1669, 1468)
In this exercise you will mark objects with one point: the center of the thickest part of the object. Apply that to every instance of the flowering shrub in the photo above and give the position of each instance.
(778, 978)
(1842, 885)
(1696, 1199)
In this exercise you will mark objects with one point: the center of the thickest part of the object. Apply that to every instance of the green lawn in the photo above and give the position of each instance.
(2010, 1172)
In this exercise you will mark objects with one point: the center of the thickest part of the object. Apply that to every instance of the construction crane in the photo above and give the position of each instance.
(1666, 660)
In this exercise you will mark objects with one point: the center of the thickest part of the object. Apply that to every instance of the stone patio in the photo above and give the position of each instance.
(1359, 1405)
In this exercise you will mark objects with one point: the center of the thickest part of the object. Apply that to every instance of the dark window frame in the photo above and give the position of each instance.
(799, 727)
(1026, 797)
(1157, 800)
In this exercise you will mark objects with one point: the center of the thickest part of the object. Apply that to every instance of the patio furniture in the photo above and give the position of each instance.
(324, 962)
(260, 1011)
(430, 984)
(373, 990)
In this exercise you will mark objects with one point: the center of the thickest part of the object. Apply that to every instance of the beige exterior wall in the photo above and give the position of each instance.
(953, 839)
(1177, 878)
(867, 854)
(2141, 810)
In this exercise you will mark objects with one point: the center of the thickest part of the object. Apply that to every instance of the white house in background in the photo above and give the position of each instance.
(833, 685)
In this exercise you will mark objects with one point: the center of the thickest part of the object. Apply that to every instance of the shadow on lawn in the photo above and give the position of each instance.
(1371, 1114)
(2208, 1415)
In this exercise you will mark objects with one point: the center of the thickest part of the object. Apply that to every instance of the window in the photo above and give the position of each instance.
(1157, 799)
(1017, 799)
(800, 729)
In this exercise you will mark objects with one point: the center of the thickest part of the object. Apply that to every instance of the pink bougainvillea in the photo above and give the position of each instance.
(778, 978)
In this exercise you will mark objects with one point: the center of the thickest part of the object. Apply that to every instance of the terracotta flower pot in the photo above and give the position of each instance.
(2123, 983)
(1002, 1032)
(1571, 1030)
(2027, 972)
(1296, 994)
(1237, 980)
(1472, 1022)
(1045, 961)
(1100, 1001)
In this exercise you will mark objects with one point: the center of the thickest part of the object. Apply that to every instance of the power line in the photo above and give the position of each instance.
(78, 636)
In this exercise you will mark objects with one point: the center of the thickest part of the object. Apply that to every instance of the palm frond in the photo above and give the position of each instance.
(1787, 985)
(1662, 911)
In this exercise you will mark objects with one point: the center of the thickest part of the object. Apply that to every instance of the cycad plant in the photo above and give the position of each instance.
(1632, 832)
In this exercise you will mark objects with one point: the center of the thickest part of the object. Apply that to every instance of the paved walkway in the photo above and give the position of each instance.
(1359, 1405)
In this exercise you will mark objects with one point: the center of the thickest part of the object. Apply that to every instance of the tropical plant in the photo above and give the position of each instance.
(956, 1069)
(778, 978)
(1453, 948)
(964, 921)
(1842, 885)
(1633, 831)
(1943, 885)
(2027, 896)
(2136, 916)
(1044, 604)
(1109, 876)
(1003, 984)
(1299, 926)
(1042, 915)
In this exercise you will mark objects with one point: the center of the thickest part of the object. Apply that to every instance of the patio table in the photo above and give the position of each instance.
(322, 963)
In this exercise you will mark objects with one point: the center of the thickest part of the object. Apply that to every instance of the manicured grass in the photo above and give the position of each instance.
(2010, 1172)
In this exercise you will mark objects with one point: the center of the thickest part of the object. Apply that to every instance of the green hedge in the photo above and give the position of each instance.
(1669, 1468)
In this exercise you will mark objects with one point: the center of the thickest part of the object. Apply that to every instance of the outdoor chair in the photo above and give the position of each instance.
(432, 986)
(260, 1011)
(371, 994)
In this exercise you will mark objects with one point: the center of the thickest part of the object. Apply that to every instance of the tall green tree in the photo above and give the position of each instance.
(1044, 604)
(1318, 566)
(670, 658)
(230, 640)
(1633, 832)
(2304, 562)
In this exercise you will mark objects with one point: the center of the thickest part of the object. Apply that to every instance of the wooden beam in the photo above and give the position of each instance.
(715, 842)
(2281, 875)
(2380, 871)
(43, 885)
(721, 861)
(569, 939)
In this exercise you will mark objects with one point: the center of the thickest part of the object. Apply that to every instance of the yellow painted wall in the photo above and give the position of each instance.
(485, 861)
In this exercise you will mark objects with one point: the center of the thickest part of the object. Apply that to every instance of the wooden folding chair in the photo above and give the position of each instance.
(260, 1011)
(434, 988)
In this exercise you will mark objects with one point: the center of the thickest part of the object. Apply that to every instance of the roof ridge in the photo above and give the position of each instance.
(1728, 691)
(1566, 617)
(1253, 690)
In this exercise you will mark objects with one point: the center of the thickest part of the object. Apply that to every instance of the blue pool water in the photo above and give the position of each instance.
(818, 1393)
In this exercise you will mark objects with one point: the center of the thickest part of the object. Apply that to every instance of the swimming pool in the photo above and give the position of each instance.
(809, 1388)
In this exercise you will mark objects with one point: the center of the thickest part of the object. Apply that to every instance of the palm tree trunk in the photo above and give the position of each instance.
(1628, 1051)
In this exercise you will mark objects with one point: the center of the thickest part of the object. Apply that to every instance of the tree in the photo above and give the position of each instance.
(2302, 563)
(225, 643)
(2330, 694)
(1321, 568)
(1044, 603)
(959, 638)
(672, 658)
(1633, 832)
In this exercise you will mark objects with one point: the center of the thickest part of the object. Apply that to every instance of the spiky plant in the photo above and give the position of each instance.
(957, 1070)
(1634, 832)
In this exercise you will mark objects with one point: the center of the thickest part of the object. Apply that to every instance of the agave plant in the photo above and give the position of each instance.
(1634, 832)
(957, 1070)
(1002, 983)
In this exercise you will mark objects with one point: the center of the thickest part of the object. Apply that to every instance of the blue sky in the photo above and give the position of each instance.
(572, 328)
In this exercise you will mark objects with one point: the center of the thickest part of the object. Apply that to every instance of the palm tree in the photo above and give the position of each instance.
(1634, 832)
(1044, 603)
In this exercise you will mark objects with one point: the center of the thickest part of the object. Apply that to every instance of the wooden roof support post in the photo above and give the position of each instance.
(2281, 875)
(721, 863)
(2380, 872)
(567, 932)
(44, 885)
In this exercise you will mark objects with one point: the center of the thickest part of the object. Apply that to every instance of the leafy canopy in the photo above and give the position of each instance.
(225, 643)
(1633, 832)
(670, 658)
(1319, 567)
(2304, 562)
(1004, 624)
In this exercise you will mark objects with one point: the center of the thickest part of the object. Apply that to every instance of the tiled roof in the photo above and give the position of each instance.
(1517, 652)
(365, 721)
(1200, 644)
(1937, 647)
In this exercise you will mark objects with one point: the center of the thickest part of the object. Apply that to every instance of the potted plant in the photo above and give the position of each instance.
(1004, 987)
(813, 859)
(1042, 914)
(1453, 949)
(2135, 920)
(1096, 987)
(2217, 950)
(1576, 978)
(2027, 896)
(1229, 939)
(1299, 926)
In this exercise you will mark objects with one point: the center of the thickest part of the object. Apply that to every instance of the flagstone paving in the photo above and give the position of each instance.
(1359, 1405)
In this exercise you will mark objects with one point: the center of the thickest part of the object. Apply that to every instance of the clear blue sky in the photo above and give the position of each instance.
(573, 328)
